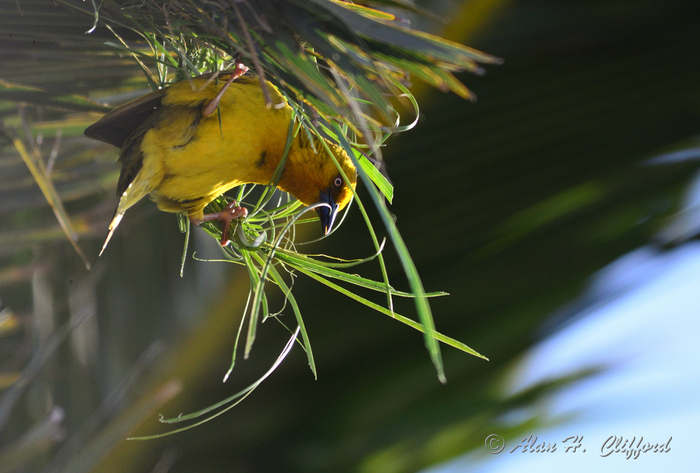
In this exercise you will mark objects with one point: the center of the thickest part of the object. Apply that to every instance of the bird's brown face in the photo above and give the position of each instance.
(313, 178)
(336, 197)
(337, 192)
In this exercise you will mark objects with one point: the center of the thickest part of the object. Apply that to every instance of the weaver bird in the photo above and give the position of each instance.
(175, 147)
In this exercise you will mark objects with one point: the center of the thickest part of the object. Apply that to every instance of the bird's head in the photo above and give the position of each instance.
(314, 178)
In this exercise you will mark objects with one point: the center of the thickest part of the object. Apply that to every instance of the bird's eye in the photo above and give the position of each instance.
(338, 181)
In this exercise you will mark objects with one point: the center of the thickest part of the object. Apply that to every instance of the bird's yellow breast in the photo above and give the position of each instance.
(192, 159)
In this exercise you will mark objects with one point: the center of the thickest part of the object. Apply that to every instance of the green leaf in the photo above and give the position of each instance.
(382, 183)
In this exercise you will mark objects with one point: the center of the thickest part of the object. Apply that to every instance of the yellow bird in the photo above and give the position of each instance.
(177, 149)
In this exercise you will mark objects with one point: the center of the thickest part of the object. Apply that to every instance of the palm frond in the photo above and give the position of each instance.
(304, 47)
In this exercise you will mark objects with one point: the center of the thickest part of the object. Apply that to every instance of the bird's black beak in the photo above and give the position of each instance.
(326, 214)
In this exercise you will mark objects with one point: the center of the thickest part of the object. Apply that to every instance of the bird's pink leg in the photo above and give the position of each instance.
(230, 213)
(238, 70)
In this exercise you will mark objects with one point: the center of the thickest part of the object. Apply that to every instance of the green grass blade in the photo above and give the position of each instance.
(226, 404)
(414, 281)
(411, 323)
(259, 299)
(298, 261)
(306, 342)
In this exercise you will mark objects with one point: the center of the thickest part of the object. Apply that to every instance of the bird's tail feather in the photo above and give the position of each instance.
(138, 189)
(112, 226)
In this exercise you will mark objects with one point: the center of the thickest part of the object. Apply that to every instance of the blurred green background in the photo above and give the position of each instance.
(580, 150)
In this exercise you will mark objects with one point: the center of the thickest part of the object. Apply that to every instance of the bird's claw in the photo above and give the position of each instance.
(230, 213)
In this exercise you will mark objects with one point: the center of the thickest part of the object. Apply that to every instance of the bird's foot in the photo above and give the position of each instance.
(230, 213)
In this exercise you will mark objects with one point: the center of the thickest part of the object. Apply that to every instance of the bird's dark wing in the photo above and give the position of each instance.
(118, 125)
(183, 118)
